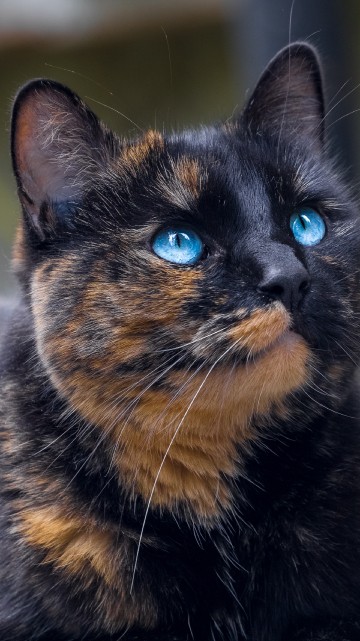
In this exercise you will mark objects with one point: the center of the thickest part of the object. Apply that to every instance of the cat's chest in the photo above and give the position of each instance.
(125, 579)
(184, 448)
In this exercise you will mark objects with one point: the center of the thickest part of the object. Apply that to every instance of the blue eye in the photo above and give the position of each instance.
(180, 246)
(307, 226)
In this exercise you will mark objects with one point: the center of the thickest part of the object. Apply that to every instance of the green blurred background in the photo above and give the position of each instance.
(166, 64)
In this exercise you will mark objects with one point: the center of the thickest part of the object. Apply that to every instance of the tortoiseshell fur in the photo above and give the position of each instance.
(180, 443)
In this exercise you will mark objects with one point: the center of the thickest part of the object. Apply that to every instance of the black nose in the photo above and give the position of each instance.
(287, 282)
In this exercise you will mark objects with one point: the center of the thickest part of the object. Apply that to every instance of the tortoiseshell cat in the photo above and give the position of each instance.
(180, 422)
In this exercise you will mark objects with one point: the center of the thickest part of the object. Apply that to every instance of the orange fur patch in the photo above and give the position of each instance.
(134, 155)
(336, 372)
(187, 171)
(18, 254)
(80, 547)
(70, 542)
(209, 427)
(330, 260)
(261, 329)
(182, 185)
(127, 337)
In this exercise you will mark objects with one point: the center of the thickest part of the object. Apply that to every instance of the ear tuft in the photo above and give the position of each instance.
(57, 144)
(288, 98)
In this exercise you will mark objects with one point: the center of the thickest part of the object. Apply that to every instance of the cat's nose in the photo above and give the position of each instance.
(287, 282)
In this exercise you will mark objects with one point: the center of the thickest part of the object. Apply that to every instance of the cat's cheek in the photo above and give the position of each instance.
(52, 341)
(39, 303)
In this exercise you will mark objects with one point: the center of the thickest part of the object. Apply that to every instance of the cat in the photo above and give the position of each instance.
(180, 455)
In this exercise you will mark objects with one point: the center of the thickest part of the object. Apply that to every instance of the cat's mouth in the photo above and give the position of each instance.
(264, 331)
(286, 343)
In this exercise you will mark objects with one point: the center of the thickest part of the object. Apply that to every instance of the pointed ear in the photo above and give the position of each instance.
(288, 98)
(57, 145)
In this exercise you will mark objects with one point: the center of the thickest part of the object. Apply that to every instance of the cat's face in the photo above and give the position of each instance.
(182, 285)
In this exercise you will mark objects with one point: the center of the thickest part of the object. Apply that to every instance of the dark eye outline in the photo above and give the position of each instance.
(179, 228)
(322, 224)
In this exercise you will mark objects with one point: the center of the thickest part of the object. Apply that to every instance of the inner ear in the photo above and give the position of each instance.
(289, 96)
(57, 144)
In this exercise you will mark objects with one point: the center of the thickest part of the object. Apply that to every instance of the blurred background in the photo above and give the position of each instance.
(169, 64)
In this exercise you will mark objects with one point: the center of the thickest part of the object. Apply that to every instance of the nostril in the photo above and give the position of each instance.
(304, 286)
(288, 286)
(275, 290)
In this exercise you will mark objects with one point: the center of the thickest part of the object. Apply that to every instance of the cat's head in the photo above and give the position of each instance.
(184, 284)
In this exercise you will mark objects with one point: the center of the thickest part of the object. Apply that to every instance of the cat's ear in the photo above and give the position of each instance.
(288, 98)
(57, 145)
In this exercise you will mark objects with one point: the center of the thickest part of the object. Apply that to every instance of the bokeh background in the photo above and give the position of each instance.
(169, 64)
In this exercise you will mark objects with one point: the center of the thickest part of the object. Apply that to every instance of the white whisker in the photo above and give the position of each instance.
(167, 452)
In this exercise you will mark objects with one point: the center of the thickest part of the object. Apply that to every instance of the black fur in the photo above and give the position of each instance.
(281, 560)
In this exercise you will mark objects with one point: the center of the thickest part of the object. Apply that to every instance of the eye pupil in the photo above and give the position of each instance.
(307, 227)
(177, 240)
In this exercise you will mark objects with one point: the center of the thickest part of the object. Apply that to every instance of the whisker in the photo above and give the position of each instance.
(167, 452)
(169, 54)
(288, 86)
(350, 113)
(192, 342)
(102, 104)
(133, 405)
(339, 102)
(329, 409)
(338, 92)
(345, 352)
(81, 75)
